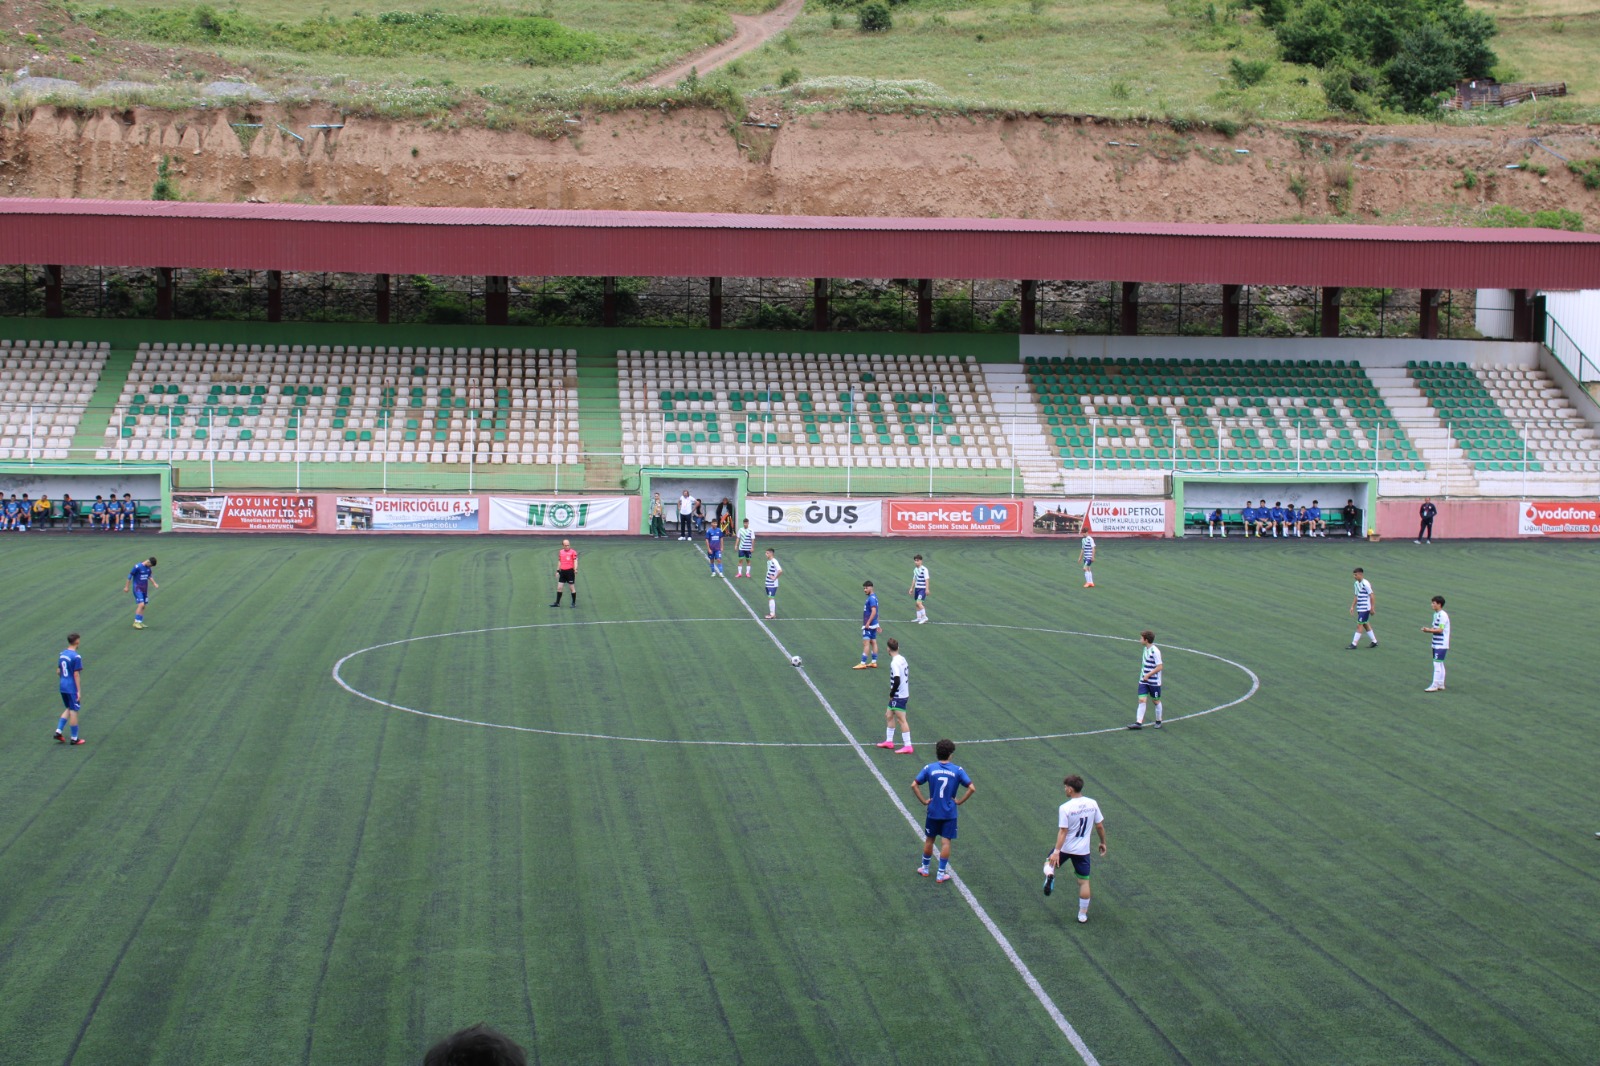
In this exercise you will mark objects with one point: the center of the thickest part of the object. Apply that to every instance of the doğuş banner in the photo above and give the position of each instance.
(1126, 516)
(970, 518)
(425, 513)
(815, 516)
(254, 513)
(1556, 518)
(586, 514)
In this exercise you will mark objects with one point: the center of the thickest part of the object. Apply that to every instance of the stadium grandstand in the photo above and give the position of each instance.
(280, 404)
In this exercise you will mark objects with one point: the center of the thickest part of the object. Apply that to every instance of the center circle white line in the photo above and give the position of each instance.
(1255, 684)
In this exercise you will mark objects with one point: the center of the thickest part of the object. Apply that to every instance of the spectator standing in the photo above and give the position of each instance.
(658, 511)
(1426, 513)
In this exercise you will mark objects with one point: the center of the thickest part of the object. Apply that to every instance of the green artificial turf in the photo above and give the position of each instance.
(249, 863)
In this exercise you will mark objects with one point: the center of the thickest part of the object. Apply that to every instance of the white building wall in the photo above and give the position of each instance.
(1493, 318)
(1578, 313)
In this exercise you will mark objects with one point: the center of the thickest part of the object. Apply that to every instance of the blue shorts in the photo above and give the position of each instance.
(1363, 617)
(919, 594)
(743, 554)
(141, 595)
(772, 590)
(939, 827)
(869, 632)
(1079, 863)
(69, 700)
(1439, 654)
(1148, 689)
(715, 553)
(897, 705)
(1088, 560)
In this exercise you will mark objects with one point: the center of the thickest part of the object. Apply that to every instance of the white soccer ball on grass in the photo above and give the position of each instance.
(794, 660)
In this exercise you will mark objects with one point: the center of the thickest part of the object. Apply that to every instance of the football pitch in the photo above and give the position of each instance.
(346, 795)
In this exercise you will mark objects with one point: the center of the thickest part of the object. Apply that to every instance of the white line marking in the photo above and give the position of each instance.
(966, 893)
(1255, 684)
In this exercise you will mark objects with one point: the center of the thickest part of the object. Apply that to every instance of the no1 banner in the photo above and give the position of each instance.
(814, 516)
(1558, 518)
(244, 513)
(423, 513)
(953, 518)
(582, 514)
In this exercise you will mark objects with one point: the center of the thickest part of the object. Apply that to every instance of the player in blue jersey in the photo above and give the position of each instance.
(130, 513)
(919, 589)
(13, 509)
(1149, 679)
(1214, 522)
(140, 582)
(1439, 629)
(869, 629)
(69, 670)
(97, 514)
(1364, 604)
(1263, 519)
(25, 513)
(1275, 517)
(714, 548)
(747, 546)
(1247, 514)
(1302, 521)
(944, 779)
(774, 571)
(1319, 528)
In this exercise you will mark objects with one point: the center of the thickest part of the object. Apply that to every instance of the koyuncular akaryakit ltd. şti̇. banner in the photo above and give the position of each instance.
(253, 512)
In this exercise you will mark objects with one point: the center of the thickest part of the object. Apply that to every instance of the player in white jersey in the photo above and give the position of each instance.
(1149, 679)
(1440, 630)
(899, 694)
(773, 570)
(919, 588)
(1077, 817)
(747, 546)
(1363, 605)
(1088, 561)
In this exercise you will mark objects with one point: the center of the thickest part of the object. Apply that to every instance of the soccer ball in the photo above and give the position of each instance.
(794, 660)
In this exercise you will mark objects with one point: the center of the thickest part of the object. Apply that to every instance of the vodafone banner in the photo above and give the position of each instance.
(955, 518)
(252, 513)
(435, 513)
(1558, 518)
(580, 514)
(814, 516)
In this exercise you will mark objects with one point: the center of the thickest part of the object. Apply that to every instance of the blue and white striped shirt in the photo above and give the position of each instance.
(1441, 639)
(773, 570)
(1151, 661)
(919, 578)
(747, 539)
(1088, 549)
(1363, 595)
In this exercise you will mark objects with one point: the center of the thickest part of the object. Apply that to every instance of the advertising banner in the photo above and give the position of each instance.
(814, 516)
(1076, 517)
(955, 518)
(548, 514)
(418, 513)
(1555, 518)
(253, 513)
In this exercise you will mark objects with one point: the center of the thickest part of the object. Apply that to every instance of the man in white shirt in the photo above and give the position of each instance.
(685, 515)
(1077, 817)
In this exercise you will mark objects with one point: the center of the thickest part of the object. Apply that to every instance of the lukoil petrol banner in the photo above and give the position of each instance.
(1546, 518)
(814, 516)
(579, 514)
(457, 513)
(248, 513)
(974, 518)
(1126, 516)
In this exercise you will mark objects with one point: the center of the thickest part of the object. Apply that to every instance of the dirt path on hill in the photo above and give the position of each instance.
(750, 33)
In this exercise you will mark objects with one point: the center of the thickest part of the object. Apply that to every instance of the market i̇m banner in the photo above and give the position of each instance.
(577, 514)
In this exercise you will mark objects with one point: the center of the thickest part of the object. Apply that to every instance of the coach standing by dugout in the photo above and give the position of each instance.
(1426, 513)
(566, 572)
(685, 515)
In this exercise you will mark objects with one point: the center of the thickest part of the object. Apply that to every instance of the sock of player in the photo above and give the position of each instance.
(888, 734)
(1438, 673)
(558, 598)
(1138, 716)
(1372, 634)
(1083, 905)
(874, 656)
(772, 605)
(1088, 575)
(574, 597)
(138, 615)
(907, 736)
(863, 656)
(1355, 639)
(1158, 710)
(1441, 675)
(74, 732)
(944, 864)
(926, 859)
(61, 726)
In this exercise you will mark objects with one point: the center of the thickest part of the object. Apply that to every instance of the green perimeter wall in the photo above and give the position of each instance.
(986, 347)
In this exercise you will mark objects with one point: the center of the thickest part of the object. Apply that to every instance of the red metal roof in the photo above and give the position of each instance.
(487, 241)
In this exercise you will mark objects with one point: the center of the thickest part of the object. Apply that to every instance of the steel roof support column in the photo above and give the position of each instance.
(924, 305)
(163, 292)
(821, 295)
(1129, 323)
(496, 300)
(274, 296)
(1230, 309)
(1030, 307)
(1332, 300)
(380, 292)
(52, 292)
(1429, 325)
(608, 301)
(715, 312)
